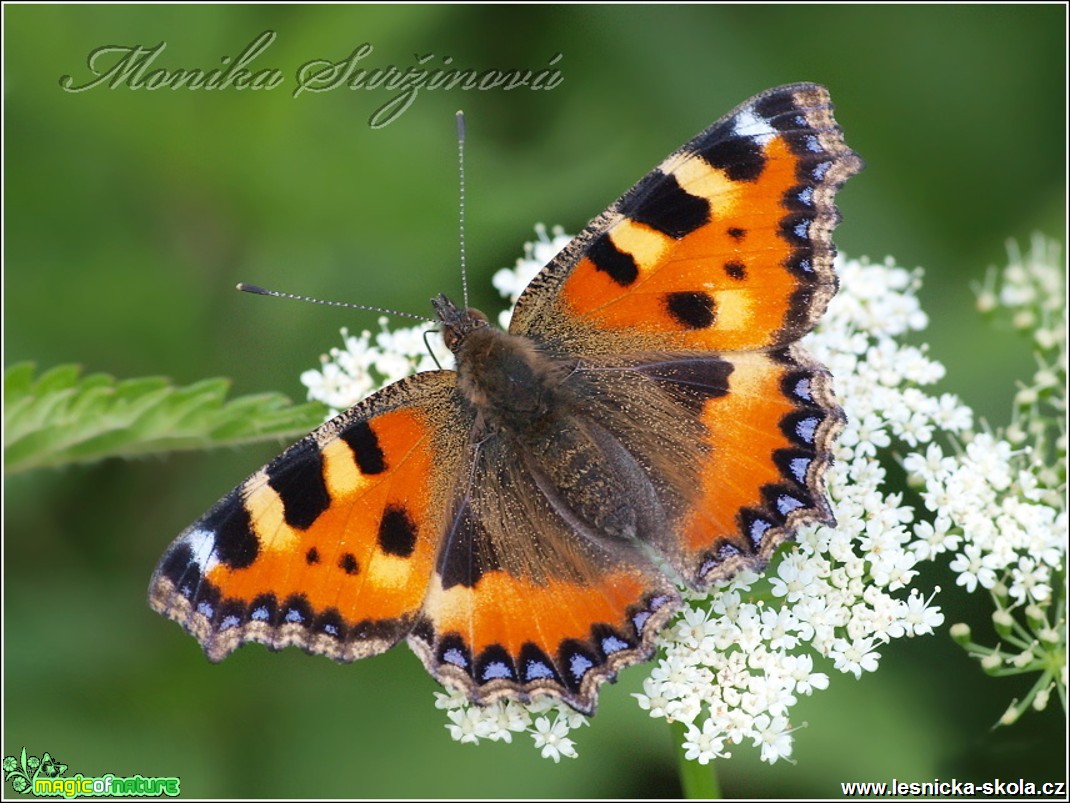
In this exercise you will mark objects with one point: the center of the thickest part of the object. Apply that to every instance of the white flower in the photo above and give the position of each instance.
(794, 579)
(552, 739)
(704, 744)
(687, 709)
(970, 564)
(1029, 581)
(505, 718)
(855, 657)
(920, 618)
(779, 629)
(895, 571)
(449, 699)
(772, 734)
(468, 725)
(934, 538)
(654, 698)
(800, 668)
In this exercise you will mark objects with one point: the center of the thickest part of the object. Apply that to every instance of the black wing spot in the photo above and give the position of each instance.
(494, 663)
(692, 381)
(535, 664)
(794, 228)
(667, 207)
(176, 562)
(296, 611)
(330, 623)
(232, 613)
(740, 158)
(694, 309)
(735, 270)
(264, 608)
(453, 650)
(397, 532)
(470, 554)
(576, 659)
(619, 266)
(779, 110)
(297, 477)
(236, 545)
(362, 439)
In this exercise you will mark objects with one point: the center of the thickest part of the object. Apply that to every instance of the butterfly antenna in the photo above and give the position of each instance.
(260, 291)
(460, 167)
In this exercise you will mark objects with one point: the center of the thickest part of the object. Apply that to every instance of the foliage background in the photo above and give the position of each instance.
(130, 215)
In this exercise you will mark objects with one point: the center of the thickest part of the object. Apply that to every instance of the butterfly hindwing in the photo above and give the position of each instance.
(767, 442)
(528, 599)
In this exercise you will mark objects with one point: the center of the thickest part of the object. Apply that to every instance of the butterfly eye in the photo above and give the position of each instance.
(476, 318)
(457, 324)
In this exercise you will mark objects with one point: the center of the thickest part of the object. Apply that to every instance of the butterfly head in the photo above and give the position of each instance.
(457, 323)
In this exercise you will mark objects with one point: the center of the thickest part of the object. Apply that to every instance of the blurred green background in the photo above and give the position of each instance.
(130, 215)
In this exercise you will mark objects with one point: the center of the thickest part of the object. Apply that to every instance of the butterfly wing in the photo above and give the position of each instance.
(330, 547)
(725, 246)
(526, 602)
(701, 279)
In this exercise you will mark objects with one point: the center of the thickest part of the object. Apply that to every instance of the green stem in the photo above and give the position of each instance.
(698, 781)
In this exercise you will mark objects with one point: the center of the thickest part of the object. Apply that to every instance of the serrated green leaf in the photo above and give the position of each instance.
(98, 380)
(137, 388)
(17, 379)
(58, 378)
(60, 418)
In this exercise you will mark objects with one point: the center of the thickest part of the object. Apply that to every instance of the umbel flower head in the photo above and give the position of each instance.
(737, 659)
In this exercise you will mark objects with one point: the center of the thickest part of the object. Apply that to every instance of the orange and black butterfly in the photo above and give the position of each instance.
(649, 420)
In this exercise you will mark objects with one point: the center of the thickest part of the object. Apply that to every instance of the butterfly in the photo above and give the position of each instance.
(648, 422)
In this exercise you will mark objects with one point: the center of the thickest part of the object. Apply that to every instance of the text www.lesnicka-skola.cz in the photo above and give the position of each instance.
(949, 788)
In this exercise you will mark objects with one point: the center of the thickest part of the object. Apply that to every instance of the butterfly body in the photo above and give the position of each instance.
(647, 421)
(512, 387)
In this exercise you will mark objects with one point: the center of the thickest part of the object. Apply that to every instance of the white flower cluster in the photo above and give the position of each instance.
(548, 722)
(366, 363)
(1000, 503)
(735, 661)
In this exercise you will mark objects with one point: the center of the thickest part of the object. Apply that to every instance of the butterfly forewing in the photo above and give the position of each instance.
(331, 547)
(725, 246)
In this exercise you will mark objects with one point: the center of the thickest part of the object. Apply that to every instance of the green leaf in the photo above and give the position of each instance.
(60, 417)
